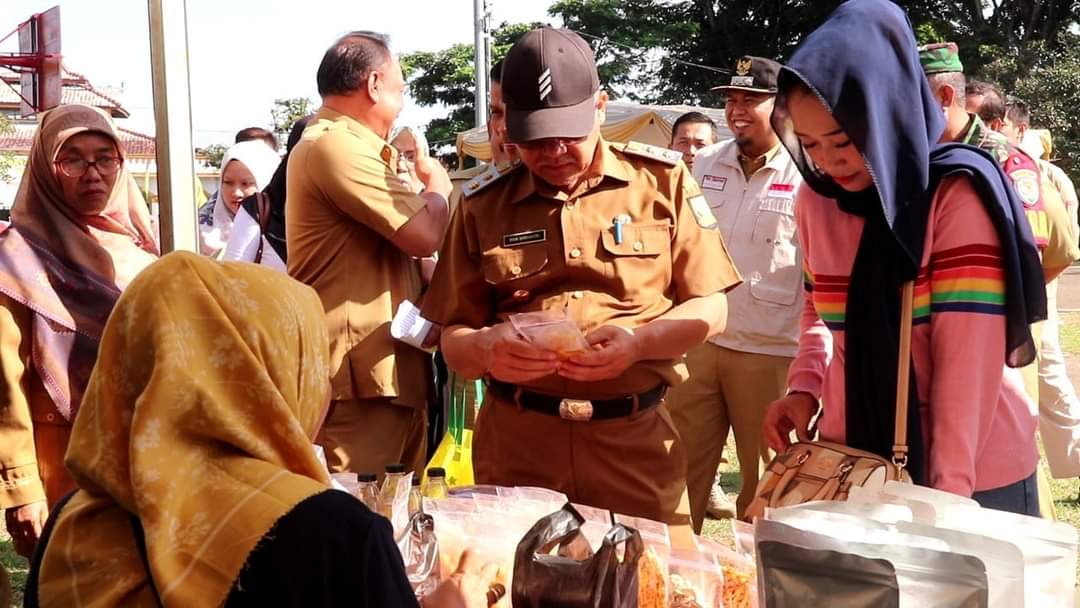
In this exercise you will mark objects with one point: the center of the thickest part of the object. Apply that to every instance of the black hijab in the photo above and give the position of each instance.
(863, 65)
(275, 192)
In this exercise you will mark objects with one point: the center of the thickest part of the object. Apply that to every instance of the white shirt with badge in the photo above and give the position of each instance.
(757, 219)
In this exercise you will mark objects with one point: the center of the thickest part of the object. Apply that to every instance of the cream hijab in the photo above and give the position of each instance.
(66, 267)
(204, 434)
(115, 244)
(262, 162)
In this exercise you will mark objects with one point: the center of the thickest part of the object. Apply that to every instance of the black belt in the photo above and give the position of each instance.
(579, 409)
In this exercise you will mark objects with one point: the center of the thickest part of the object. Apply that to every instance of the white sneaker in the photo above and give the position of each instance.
(719, 506)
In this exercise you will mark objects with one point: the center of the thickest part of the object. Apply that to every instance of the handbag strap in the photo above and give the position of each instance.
(903, 376)
(263, 207)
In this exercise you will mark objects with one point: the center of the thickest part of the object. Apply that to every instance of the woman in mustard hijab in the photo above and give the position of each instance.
(198, 482)
(80, 232)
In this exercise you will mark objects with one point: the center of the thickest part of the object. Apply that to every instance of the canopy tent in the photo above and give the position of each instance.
(625, 121)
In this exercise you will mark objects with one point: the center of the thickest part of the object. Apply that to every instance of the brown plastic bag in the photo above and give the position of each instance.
(575, 577)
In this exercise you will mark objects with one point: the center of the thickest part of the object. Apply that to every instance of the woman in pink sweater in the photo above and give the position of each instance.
(884, 204)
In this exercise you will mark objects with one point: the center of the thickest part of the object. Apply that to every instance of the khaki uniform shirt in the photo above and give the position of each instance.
(757, 218)
(1050, 223)
(345, 202)
(519, 245)
(459, 179)
(24, 403)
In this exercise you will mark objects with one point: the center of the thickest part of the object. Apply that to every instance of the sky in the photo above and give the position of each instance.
(246, 53)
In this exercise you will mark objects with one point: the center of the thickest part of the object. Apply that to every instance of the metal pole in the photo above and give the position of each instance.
(487, 48)
(480, 29)
(172, 117)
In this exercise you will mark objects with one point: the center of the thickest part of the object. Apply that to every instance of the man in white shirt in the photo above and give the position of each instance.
(750, 184)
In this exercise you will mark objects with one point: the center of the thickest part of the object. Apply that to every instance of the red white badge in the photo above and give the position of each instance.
(714, 182)
(782, 191)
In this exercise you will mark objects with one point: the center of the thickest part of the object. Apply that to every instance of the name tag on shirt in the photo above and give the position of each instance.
(714, 182)
(782, 191)
(778, 205)
(524, 238)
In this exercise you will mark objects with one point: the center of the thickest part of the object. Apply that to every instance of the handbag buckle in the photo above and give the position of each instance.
(578, 410)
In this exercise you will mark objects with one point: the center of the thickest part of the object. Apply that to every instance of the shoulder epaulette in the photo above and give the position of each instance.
(465, 175)
(491, 175)
(663, 155)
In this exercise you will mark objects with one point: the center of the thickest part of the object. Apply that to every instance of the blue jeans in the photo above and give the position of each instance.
(1021, 497)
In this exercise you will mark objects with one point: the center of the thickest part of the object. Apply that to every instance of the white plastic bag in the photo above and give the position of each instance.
(1003, 560)
(1049, 549)
(926, 578)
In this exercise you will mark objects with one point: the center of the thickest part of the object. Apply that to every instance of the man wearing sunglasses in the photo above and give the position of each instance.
(615, 241)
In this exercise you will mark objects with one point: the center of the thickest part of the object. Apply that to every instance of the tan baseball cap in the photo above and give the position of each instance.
(549, 81)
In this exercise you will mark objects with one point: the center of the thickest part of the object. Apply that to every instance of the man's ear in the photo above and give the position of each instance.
(374, 85)
(947, 95)
(996, 124)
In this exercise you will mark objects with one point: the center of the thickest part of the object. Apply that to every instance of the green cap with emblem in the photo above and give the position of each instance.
(940, 58)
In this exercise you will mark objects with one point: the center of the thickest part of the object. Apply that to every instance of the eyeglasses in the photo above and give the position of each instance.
(550, 142)
(77, 167)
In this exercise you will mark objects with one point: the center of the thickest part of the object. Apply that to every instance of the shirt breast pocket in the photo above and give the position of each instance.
(643, 249)
(779, 280)
(503, 266)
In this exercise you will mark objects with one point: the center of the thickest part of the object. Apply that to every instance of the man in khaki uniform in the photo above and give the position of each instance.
(615, 239)
(692, 132)
(502, 157)
(355, 231)
(750, 183)
(1059, 406)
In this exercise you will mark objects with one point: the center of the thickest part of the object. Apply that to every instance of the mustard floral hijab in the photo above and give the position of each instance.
(211, 382)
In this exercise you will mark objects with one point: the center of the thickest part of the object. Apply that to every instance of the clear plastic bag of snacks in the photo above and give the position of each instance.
(550, 330)
(695, 580)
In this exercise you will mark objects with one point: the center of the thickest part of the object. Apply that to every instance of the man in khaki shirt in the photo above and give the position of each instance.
(503, 156)
(618, 241)
(750, 183)
(355, 231)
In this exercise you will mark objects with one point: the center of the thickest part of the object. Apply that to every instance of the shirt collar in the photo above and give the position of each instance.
(379, 146)
(730, 156)
(605, 165)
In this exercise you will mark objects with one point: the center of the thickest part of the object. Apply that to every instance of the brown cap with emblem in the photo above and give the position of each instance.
(755, 74)
(549, 81)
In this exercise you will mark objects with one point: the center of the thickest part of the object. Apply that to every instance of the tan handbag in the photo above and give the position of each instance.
(819, 470)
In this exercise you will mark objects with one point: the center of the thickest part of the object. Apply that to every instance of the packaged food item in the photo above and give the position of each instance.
(596, 525)
(926, 578)
(420, 551)
(848, 528)
(743, 533)
(881, 512)
(653, 533)
(796, 577)
(740, 575)
(1049, 549)
(1003, 560)
(551, 330)
(696, 580)
(921, 512)
(367, 490)
(554, 566)
(652, 581)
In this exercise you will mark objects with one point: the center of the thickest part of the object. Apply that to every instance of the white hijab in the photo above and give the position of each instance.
(261, 161)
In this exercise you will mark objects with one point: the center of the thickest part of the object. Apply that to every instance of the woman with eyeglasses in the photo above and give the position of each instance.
(80, 231)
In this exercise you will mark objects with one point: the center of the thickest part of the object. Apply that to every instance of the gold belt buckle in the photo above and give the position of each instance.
(578, 410)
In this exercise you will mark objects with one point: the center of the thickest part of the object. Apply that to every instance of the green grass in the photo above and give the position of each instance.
(15, 564)
(1070, 334)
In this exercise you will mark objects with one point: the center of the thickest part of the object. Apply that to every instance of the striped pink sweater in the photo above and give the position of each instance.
(978, 422)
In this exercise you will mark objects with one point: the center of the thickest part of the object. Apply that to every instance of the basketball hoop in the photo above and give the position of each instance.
(37, 62)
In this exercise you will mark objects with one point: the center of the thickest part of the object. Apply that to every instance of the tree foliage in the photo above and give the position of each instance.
(215, 153)
(286, 112)
(7, 159)
(447, 78)
(673, 51)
